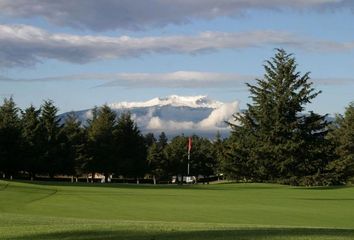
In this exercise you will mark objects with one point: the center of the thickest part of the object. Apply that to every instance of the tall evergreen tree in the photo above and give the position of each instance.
(10, 137)
(101, 144)
(219, 152)
(203, 158)
(149, 139)
(236, 159)
(156, 158)
(53, 143)
(74, 140)
(274, 134)
(156, 164)
(177, 156)
(32, 135)
(131, 148)
(162, 141)
(342, 136)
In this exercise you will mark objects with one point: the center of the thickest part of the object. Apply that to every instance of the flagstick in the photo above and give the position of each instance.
(189, 157)
(189, 153)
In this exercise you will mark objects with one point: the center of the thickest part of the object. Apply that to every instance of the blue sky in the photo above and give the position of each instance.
(84, 53)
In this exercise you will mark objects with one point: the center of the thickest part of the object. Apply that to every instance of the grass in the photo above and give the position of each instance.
(220, 211)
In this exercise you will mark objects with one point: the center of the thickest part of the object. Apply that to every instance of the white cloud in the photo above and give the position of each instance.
(139, 15)
(157, 124)
(23, 45)
(178, 79)
(216, 121)
(218, 117)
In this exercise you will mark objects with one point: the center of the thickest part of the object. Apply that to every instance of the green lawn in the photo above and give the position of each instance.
(219, 211)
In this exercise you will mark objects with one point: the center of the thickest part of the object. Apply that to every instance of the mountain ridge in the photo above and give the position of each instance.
(172, 100)
(175, 115)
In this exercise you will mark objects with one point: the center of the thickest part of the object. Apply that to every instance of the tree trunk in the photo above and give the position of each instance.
(106, 176)
(154, 179)
(32, 175)
(92, 177)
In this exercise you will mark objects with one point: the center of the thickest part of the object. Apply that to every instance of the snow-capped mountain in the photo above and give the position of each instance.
(176, 115)
(173, 101)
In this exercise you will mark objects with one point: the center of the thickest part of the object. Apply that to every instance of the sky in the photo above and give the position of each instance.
(84, 53)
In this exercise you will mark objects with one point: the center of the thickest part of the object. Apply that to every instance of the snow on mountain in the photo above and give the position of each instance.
(176, 115)
(173, 100)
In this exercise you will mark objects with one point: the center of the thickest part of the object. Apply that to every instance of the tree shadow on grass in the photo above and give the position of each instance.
(327, 199)
(323, 187)
(244, 234)
(117, 185)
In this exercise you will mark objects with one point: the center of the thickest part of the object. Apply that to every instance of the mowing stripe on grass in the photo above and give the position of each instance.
(35, 210)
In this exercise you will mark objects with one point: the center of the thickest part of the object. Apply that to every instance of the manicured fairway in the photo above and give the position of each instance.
(220, 211)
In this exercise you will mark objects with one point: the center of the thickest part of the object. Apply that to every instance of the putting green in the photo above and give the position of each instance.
(220, 211)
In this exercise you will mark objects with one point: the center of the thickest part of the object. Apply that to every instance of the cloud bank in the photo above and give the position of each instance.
(23, 45)
(140, 15)
(215, 121)
(178, 79)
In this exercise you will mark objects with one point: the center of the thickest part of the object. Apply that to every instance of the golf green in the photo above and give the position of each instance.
(40, 210)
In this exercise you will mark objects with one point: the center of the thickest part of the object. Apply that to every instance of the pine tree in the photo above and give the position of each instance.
(342, 136)
(131, 148)
(101, 144)
(74, 140)
(32, 135)
(219, 153)
(236, 159)
(202, 157)
(149, 139)
(177, 156)
(163, 141)
(156, 158)
(275, 136)
(10, 138)
(53, 143)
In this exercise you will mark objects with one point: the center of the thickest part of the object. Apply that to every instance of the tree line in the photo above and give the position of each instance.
(273, 140)
(35, 142)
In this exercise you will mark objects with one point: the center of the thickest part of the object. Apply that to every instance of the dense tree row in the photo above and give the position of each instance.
(273, 140)
(35, 142)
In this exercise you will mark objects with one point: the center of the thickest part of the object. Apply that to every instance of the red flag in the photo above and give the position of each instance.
(189, 144)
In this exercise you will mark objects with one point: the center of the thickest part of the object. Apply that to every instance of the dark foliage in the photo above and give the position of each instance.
(275, 140)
